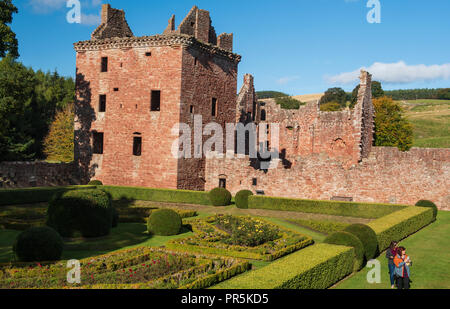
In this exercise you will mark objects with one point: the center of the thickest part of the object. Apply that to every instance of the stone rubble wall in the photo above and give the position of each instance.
(37, 174)
(386, 176)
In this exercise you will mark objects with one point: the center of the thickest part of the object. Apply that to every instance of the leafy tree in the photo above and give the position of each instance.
(58, 145)
(17, 106)
(377, 92)
(288, 102)
(28, 103)
(330, 107)
(444, 94)
(8, 40)
(337, 95)
(391, 127)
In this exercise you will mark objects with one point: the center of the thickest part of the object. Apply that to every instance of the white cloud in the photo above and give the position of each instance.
(287, 79)
(45, 6)
(396, 73)
(90, 19)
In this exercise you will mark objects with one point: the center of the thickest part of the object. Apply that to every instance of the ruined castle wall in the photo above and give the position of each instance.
(205, 77)
(37, 174)
(134, 75)
(386, 176)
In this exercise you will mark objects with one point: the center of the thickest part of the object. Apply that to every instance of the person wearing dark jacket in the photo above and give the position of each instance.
(391, 253)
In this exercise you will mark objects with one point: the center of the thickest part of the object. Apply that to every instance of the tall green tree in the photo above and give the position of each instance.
(8, 40)
(377, 92)
(17, 111)
(334, 95)
(391, 127)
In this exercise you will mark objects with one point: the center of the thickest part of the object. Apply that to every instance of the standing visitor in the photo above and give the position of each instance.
(402, 264)
(390, 255)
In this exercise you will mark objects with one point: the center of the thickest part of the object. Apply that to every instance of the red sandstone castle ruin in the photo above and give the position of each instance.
(131, 91)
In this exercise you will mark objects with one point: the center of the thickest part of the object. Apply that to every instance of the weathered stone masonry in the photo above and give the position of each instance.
(190, 71)
(190, 67)
(329, 155)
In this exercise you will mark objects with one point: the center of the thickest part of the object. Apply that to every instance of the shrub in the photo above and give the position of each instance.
(158, 195)
(323, 226)
(86, 211)
(425, 203)
(115, 217)
(337, 208)
(401, 224)
(38, 244)
(316, 267)
(95, 183)
(33, 195)
(164, 222)
(241, 198)
(368, 238)
(349, 240)
(220, 197)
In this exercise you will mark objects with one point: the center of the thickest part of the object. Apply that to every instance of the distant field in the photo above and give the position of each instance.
(309, 97)
(431, 121)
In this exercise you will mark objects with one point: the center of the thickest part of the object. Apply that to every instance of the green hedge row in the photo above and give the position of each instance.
(322, 226)
(33, 195)
(347, 209)
(158, 195)
(316, 267)
(401, 224)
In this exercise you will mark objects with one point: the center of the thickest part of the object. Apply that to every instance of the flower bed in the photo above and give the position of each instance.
(134, 268)
(242, 237)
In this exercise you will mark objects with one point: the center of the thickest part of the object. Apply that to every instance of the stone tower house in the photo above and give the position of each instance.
(132, 91)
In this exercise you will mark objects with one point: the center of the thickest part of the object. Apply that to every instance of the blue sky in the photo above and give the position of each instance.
(295, 46)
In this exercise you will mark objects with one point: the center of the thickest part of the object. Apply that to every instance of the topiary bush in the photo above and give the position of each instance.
(430, 204)
(115, 218)
(220, 197)
(95, 183)
(87, 211)
(349, 240)
(368, 238)
(38, 244)
(164, 222)
(241, 198)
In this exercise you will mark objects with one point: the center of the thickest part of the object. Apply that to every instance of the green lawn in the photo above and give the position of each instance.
(430, 251)
(431, 122)
(126, 235)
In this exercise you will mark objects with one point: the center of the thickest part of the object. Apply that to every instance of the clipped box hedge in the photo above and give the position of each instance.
(158, 195)
(401, 224)
(34, 195)
(316, 267)
(336, 208)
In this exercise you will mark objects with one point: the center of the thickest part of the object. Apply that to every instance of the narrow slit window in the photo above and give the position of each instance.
(214, 107)
(97, 143)
(155, 105)
(102, 103)
(263, 115)
(104, 64)
(137, 146)
(255, 181)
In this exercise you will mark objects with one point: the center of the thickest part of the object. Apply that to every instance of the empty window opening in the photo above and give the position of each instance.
(214, 107)
(155, 105)
(254, 181)
(195, 61)
(191, 110)
(137, 146)
(263, 115)
(222, 183)
(97, 138)
(192, 24)
(116, 89)
(104, 64)
(148, 54)
(102, 103)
